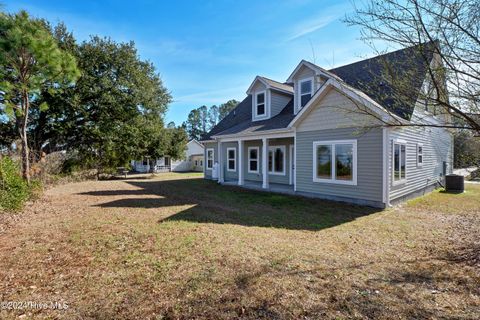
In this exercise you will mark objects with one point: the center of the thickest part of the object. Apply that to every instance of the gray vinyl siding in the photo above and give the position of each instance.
(278, 102)
(304, 72)
(208, 145)
(369, 164)
(437, 148)
(335, 111)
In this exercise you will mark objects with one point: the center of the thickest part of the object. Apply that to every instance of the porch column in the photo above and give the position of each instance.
(240, 162)
(220, 163)
(265, 163)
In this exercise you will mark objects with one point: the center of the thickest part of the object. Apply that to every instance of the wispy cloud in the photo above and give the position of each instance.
(311, 26)
(321, 20)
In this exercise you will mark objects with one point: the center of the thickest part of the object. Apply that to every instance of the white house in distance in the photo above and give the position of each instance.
(193, 161)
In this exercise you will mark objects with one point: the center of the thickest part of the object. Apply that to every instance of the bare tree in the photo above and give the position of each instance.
(445, 35)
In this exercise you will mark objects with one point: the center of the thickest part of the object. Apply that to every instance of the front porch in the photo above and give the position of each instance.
(257, 185)
(257, 163)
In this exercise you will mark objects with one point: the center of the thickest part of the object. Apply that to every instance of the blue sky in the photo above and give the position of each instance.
(208, 52)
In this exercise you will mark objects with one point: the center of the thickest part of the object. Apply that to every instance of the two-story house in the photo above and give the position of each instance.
(306, 135)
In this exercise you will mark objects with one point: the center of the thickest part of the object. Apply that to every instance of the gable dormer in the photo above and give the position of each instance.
(269, 97)
(306, 79)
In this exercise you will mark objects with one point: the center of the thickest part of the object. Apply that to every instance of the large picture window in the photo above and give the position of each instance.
(231, 159)
(306, 90)
(276, 160)
(335, 161)
(260, 103)
(253, 159)
(210, 156)
(399, 162)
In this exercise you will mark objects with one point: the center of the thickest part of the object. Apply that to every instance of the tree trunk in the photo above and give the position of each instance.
(25, 154)
(24, 139)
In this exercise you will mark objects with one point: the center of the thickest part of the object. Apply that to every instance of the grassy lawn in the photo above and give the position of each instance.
(177, 246)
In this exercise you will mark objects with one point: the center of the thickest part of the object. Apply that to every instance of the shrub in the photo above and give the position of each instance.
(14, 191)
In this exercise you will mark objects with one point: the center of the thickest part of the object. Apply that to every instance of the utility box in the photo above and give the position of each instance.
(454, 183)
(215, 171)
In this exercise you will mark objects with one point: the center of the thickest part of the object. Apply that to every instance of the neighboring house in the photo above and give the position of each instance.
(192, 162)
(195, 155)
(306, 137)
(163, 164)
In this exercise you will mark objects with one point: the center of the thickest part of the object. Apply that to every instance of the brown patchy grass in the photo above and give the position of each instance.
(177, 246)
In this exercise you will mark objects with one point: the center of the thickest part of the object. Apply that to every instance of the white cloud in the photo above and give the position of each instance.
(311, 26)
(319, 21)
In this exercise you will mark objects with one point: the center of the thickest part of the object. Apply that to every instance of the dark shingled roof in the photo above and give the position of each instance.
(400, 92)
(366, 75)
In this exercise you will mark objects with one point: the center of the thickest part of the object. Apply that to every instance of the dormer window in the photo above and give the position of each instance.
(306, 90)
(260, 103)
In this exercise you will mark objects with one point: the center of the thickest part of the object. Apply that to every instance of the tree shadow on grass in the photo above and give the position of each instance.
(212, 203)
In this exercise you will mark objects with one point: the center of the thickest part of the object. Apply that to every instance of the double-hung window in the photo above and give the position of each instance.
(335, 161)
(419, 154)
(306, 91)
(399, 161)
(260, 104)
(253, 159)
(210, 156)
(231, 159)
(276, 160)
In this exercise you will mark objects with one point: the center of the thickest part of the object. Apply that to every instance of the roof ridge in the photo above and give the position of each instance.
(283, 83)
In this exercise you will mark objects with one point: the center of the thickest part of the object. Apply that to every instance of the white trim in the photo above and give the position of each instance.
(295, 164)
(400, 142)
(269, 134)
(249, 159)
(234, 159)
(266, 84)
(352, 93)
(420, 164)
(213, 158)
(318, 71)
(273, 148)
(386, 156)
(299, 100)
(333, 179)
(257, 78)
(264, 114)
(241, 150)
(291, 164)
(265, 181)
(220, 163)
